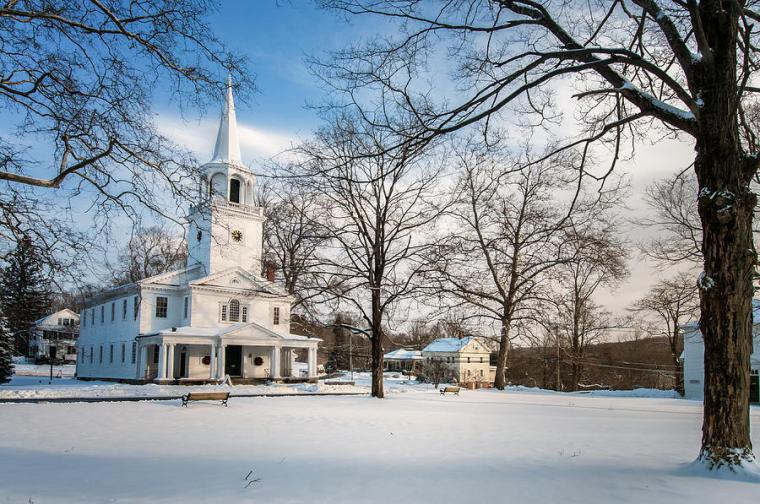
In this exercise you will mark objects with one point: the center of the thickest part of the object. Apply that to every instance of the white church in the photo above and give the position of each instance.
(216, 317)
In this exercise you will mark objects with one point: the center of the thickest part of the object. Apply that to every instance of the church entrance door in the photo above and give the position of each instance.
(233, 360)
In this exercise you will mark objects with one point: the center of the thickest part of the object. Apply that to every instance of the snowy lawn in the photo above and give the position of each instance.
(420, 447)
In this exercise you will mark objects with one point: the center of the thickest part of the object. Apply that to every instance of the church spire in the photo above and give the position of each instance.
(227, 148)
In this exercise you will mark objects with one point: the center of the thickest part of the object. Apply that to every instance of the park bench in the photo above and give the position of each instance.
(450, 390)
(205, 396)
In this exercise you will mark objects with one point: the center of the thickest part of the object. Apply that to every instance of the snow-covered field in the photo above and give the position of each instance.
(483, 446)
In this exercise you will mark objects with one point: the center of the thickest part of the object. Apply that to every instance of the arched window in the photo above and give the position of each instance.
(234, 190)
(234, 310)
(218, 185)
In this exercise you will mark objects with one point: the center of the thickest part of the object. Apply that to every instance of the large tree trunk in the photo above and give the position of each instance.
(726, 207)
(377, 347)
(501, 362)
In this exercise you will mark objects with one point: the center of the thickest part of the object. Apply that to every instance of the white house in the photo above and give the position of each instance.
(218, 316)
(468, 358)
(402, 360)
(694, 354)
(55, 333)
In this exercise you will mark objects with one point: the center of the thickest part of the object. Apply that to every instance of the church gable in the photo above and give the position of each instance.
(237, 279)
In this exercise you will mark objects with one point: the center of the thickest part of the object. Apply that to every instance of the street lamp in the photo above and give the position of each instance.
(354, 330)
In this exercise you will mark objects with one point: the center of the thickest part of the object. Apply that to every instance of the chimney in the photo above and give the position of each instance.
(270, 270)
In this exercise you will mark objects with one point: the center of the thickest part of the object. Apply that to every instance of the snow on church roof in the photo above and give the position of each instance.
(227, 148)
(448, 344)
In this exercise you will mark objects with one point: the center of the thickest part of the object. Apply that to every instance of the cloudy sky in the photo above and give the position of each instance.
(277, 36)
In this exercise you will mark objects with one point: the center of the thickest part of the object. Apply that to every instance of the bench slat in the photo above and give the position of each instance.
(208, 396)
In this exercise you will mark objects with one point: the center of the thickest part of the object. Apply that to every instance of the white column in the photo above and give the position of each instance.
(222, 350)
(312, 362)
(161, 362)
(138, 361)
(170, 365)
(274, 368)
(212, 364)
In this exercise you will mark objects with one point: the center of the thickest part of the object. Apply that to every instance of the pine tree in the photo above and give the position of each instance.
(24, 293)
(6, 351)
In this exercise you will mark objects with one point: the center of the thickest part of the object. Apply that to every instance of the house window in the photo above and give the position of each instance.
(187, 304)
(223, 315)
(135, 305)
(123, 352)
(468, 360)
(134, 352)
(234, 310)
(92, 316)
(110, 353)
(101, 354)
(91, 352)
(276, 316)
(481, 360)
(244, 314)
(102, 314)
(124, 310)
(162, 306)
(113, 311)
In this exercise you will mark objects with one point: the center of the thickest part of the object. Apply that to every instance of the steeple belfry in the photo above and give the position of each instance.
(227, 148)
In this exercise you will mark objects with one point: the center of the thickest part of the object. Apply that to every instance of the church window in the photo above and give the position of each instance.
(134, 352)
(187, 304)
(224, 313)
(92, 316)
(123, 352)
(113, 311)
(162, 306)
(100, 354)
(102, 314)
(234, 190)
(91, 352)
(276, 316)
(199, 235)
(135, 304)
(110, 354)
(124, 310)
(244, 314)
(234, 310)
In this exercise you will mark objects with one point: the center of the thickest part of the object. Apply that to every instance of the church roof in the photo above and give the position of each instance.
(227, 148)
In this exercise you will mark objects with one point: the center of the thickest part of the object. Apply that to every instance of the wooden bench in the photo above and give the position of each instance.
(450, 390)
(205, 396)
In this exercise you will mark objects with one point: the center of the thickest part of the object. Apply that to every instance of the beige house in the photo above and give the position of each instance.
(468, 358)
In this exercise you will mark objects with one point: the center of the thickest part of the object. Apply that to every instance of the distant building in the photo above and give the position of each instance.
(693, 358)
(402, 360)
(58, 331)
(468, 358)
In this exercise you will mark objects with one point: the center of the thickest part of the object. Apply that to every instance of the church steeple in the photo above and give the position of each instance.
(227, 148)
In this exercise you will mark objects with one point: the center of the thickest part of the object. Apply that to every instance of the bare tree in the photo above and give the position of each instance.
(676, 219)
(640, 69)
(379, 209)
(149, 252)
(674, 301)
(293, 235)
(600, 261)
(79, 76)
(511, 232)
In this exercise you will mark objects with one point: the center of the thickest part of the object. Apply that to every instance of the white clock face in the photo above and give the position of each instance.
(237, 235)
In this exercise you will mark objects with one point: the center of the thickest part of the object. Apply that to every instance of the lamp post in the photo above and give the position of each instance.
(354, 330)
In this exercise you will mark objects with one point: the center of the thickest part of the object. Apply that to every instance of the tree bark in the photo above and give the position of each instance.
(726, 206)
(501, 362)
(377, 346)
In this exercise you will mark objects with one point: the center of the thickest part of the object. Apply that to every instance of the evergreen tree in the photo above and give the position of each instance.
(6, 352)
(24, 293)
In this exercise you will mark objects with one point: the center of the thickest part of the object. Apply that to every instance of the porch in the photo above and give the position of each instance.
(247, 354)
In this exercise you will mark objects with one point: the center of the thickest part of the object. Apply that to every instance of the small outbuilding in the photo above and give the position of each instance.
(55, 335)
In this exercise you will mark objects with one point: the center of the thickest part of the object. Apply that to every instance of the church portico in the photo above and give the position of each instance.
(241, 352)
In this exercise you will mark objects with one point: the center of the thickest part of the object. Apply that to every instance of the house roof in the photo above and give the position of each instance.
(65, 311)
(403, 354)
(448, 344)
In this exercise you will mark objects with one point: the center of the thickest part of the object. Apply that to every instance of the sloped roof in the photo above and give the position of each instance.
(246, 327)
(67, 311)
(448, 344)
(404, 354)
(257, 283)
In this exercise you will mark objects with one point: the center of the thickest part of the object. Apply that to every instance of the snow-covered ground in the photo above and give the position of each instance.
(484, 446)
